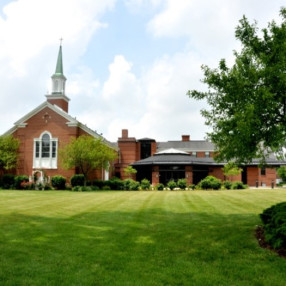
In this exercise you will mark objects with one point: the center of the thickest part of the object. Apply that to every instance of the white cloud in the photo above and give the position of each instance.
(29, 33)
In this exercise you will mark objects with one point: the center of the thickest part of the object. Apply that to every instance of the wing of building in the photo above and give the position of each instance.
(160, 162)
(48, 127)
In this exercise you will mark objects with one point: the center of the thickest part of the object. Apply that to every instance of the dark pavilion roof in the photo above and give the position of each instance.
(170, 157)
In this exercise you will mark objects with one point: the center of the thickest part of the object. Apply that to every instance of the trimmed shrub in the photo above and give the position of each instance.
(134, 186)
(8, 181)
(145, 184)
(126, 184)
(237, 185)
(77, 180)
(210, 182)
(58, 182)
(274, 220)
(98, 183)
(227, 185)
(106, 188)
(159, 187)
(18, 180)
(116, 184)
(192, 186)
(182, 183)
(172, 185)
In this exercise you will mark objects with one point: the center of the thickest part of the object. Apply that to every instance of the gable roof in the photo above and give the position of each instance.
(71, 122)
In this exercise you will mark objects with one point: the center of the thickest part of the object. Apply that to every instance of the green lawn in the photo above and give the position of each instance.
(136, 238)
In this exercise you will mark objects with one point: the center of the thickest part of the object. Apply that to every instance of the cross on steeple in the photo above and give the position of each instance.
(61, 41)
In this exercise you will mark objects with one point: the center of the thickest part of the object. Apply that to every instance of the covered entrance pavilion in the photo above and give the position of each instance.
(173, 164)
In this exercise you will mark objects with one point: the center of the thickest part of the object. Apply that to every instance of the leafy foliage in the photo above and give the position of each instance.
(248, 100)
(58, 182)
(77, 180)
(8, 152)
(182, 183)
(231, 169)
(145, 184)
(238, 185)
(129, 171)
(160, 187)
(172, 184)
(18, 180)
(210, 182)
(7, 181)
(274, 220)
(281, 172)
(227, 185)
(87, 153)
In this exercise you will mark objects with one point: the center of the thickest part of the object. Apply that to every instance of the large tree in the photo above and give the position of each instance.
(247, 102)
(8, 152)
(87, 154)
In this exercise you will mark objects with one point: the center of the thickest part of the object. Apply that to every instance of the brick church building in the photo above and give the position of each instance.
(44, 130)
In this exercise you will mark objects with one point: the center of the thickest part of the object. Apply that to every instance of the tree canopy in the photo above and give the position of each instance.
(247, 101)
(8, 152)
(87, 153)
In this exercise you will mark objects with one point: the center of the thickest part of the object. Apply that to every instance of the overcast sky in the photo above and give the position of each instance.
(128, 63)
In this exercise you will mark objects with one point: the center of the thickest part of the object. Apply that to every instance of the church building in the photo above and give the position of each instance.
(47, 128)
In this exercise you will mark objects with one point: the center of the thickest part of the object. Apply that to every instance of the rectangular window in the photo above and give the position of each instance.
(207, 154)
(37, 153)
(54, 149)
(45, 149)
(262, 171)
(194, 154)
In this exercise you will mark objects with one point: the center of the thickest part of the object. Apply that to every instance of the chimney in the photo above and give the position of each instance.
(185, 138)
(124, 133)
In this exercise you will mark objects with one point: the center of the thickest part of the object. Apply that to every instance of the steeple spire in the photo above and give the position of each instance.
(58, 96)
(59, 67)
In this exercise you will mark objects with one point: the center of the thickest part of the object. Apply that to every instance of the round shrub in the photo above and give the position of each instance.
(59, 182)
(210, 182)
(172, 185)
(77, 180)
(134, 186)
(192, 186)
(106, 188)
(159, 187)
(145, 184)
(227, 185)
(237, 185)
(274, 221)
(19, 180)
(7, 181)
(182, 183)
(116, 184)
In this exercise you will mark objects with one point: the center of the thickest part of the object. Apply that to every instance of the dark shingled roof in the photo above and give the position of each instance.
(187, 146)
(185, 159)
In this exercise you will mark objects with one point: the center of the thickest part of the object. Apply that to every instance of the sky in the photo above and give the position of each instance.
(128, 63)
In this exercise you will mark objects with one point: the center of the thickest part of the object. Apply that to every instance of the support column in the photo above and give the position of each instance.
(155, 175)
(189, 175)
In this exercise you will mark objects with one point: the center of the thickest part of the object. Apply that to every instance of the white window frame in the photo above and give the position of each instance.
(50, 162)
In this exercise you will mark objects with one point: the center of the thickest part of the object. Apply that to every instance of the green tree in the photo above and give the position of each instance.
(231, 169)
(129, 171)
(8, 152)
(87, 153)
(281, 171)
(248, 100)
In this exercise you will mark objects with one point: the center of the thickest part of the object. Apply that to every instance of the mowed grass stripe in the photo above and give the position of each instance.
(136, 238)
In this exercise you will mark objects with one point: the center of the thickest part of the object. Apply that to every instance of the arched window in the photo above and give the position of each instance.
(46, 146)
(45, 151)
